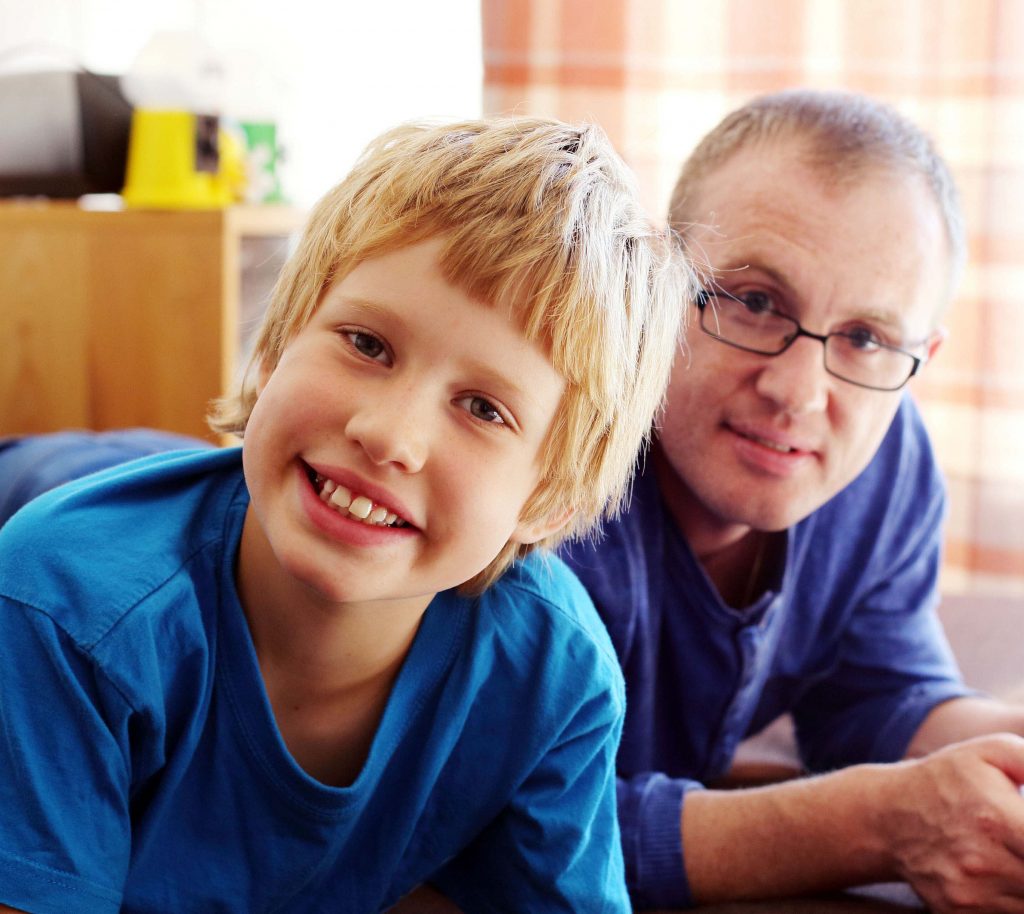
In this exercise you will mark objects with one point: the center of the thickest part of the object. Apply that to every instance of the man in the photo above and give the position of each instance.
(783, 543)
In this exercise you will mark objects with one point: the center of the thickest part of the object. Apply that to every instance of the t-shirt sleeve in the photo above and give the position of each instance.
(556, 846)
(65, 830)
(894, 664)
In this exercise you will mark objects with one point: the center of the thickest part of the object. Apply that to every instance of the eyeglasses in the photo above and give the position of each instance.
(856, 356)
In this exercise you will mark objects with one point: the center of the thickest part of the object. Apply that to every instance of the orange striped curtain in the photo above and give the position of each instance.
(658, 73)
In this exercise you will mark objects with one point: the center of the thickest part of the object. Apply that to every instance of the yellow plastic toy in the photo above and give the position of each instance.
(182, 160)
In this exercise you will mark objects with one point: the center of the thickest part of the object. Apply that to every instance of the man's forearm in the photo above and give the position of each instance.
(964, 718)
(802, 836)
(950, 823)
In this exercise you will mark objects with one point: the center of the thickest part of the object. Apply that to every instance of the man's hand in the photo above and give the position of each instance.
(951, 824)
(954, 822)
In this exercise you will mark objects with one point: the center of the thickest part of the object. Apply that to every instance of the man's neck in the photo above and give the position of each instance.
(706, 532)
(735, 557)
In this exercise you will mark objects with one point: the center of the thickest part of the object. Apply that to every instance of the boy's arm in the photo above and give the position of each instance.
(556, 846)
(64, 832)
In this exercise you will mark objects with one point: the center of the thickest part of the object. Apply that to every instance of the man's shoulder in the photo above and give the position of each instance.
(88, 551)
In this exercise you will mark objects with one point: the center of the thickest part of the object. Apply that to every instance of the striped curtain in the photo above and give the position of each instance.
(657, 74)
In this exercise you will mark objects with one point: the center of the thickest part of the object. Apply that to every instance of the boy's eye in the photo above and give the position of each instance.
(366, 344)
(482, 409)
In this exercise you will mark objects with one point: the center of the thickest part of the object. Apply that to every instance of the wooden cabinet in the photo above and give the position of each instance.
(131, 318)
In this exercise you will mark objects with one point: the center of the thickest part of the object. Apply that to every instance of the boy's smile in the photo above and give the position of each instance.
(348, 512)
(395, 444)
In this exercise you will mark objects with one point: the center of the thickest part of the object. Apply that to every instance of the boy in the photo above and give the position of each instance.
(288, 677)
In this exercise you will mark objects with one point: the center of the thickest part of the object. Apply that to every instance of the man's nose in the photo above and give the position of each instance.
(392, 429)
(796, 381)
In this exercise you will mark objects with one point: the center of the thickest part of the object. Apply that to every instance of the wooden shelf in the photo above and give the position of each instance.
(119, 319)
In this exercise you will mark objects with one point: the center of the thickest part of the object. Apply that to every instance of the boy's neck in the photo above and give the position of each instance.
(328, 668)
(303, 637)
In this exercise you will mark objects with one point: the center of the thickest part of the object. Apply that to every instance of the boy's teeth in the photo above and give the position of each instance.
(360, 507)
(341, 497)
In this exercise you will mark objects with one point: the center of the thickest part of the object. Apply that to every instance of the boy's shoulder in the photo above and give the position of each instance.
(540, 601)
(87, 551)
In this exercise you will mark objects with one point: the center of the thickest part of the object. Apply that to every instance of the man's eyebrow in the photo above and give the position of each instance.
(874, 313)
(739, 269)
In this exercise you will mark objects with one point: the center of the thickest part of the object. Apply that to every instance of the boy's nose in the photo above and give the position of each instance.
(796, 381)
(391, 431)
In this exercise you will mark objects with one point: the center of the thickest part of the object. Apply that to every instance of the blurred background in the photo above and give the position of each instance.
(656, 74)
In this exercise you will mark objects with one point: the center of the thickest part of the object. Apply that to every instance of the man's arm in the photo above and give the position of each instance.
(963, 718)
(951, 824)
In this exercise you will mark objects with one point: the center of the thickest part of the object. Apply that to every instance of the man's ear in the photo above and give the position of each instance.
(528, 532)
(935, 341)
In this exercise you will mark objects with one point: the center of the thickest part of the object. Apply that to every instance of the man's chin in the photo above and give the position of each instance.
(768, 515)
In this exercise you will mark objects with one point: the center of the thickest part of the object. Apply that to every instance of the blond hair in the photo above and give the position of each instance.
(845, 135)
(541, 219)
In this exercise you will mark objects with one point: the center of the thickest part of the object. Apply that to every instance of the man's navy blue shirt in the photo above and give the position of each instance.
(845, 638)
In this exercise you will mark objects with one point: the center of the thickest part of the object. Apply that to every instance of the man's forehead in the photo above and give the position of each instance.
(769, 181)
(874, 250)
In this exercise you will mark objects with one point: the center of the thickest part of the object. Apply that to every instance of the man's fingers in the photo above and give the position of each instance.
(1006, 752)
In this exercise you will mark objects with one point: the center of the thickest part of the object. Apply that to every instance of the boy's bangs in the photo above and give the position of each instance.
(541, 286)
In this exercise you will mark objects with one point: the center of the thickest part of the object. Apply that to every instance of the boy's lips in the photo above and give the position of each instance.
(356, 498)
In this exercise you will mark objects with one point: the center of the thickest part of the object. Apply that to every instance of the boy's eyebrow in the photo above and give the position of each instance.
(495, 379)
(367, 304)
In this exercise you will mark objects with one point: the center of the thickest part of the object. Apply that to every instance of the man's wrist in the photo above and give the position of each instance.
(813, 834)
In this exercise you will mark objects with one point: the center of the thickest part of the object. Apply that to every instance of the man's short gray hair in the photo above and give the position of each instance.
(846, 134)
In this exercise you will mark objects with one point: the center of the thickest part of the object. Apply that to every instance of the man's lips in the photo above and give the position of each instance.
(772, 440)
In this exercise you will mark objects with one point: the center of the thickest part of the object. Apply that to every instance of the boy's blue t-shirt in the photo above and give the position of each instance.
(143, 771)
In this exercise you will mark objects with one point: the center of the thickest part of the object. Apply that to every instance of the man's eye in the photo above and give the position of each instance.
(482, 409)
(367, 344)
(756, 302)
(863, 339)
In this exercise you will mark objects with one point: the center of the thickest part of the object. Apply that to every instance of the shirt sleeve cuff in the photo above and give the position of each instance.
(904, 720)
(659, 879)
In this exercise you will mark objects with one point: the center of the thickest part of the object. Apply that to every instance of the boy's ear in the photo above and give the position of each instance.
(528, 532)
(263, 375)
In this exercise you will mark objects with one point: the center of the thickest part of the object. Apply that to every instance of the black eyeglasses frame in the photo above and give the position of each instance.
(703, 299)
